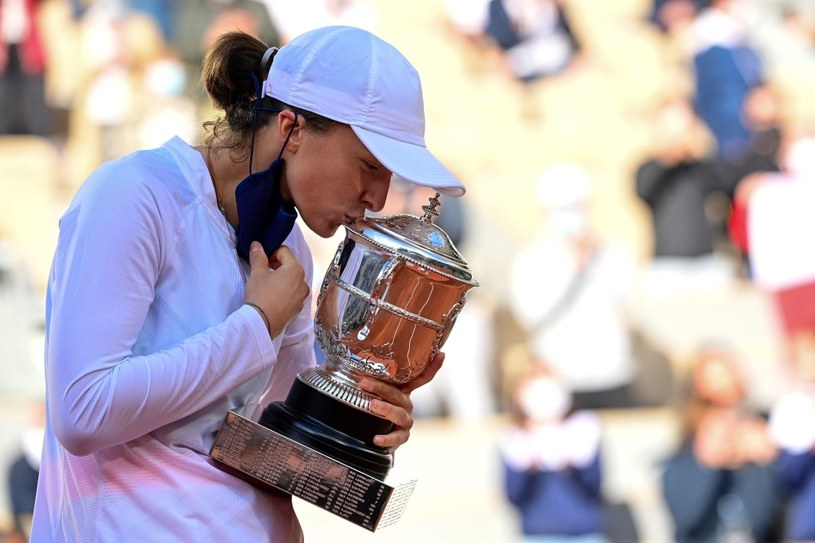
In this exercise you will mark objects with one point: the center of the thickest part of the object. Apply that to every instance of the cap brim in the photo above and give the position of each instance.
(413, 163)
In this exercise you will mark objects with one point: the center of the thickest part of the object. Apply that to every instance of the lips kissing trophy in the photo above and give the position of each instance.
(386, 306)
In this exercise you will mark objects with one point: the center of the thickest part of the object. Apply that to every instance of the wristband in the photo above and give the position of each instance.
(262, 314)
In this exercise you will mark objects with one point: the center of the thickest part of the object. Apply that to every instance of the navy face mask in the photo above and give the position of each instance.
(262, 214)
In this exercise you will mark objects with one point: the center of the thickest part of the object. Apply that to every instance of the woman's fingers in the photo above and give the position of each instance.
(277, 285)
(426, 376)
(393, 440)
(395, 406)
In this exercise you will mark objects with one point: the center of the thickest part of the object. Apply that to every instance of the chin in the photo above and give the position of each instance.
(327, 230)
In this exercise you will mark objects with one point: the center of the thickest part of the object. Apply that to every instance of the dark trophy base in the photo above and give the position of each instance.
(331, 427)
(318, 449)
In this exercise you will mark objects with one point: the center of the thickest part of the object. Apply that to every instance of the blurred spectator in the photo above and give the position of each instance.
(294, 17)
(22, 318)
(786, 39)
(569, 290)
(792, 426)
(672, 16)
(107, 93)
(677, 183)
(726, 68)
(132, 88)
(467, 20)
(24, 471)
(535, 36)
(22, 70)
(779, 226)
(164, 107)
(200, 22)
(468, 16)
(763, 115)
(552, 463)
(720, 485)
(160, 11)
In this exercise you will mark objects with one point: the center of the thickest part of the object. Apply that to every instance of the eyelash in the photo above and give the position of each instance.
(372, 167)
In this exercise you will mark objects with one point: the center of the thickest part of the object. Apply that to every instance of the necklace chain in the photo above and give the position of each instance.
(218, 200)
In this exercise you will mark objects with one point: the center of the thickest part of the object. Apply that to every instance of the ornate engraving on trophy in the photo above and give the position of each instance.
(283, 464)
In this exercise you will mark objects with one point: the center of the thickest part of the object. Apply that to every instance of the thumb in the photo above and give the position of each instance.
(257, 256)
(281, 257)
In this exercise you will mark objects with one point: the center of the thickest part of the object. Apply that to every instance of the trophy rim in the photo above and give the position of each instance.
(456, 268)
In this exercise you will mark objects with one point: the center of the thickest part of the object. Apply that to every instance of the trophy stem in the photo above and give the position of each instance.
(336, 381)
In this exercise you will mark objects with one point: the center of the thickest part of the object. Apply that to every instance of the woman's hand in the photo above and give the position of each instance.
(753, 442)
(277, 285)
(396, 405)
(714, 440)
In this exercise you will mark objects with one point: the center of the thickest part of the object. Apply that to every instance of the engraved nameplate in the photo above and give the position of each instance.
(266, 458)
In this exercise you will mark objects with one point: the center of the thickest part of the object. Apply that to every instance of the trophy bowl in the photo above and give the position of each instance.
(387, 304)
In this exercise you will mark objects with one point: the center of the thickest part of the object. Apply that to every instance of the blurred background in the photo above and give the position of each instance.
(638, 215)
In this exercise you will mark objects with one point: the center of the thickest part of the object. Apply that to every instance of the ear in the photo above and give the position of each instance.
(288, 123)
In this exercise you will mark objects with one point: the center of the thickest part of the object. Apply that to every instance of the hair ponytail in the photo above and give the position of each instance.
(227, 77)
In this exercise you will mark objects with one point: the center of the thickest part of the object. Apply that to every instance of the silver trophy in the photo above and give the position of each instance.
(386, 306)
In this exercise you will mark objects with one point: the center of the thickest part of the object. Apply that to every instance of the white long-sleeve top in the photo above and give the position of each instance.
(147, 348)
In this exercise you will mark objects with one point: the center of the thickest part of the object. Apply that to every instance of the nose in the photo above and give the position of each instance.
(376, 194)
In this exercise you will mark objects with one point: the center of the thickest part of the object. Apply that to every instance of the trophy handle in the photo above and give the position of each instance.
(447, 325)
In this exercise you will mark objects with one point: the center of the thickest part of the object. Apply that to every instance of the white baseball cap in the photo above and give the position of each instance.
(353, 77)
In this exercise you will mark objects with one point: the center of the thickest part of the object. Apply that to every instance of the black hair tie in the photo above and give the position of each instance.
(268, 58)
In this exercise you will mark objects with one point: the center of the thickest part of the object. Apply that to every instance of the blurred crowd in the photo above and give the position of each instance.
(724, 177)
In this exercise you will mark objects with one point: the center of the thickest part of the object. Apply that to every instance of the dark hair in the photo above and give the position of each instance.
(227, 77)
